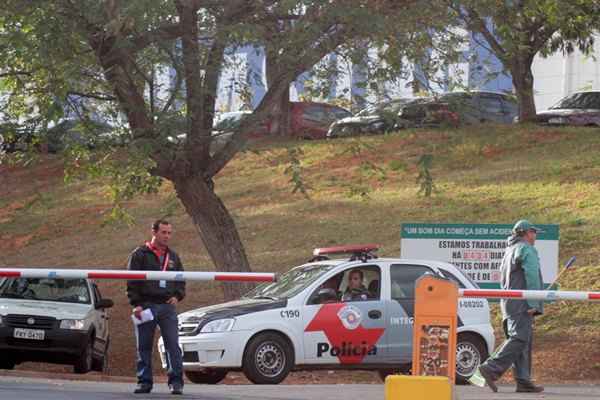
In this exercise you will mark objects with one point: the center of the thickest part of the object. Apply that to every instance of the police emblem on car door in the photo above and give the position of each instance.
(345, 324)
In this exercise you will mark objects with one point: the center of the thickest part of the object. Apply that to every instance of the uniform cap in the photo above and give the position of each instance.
(524, 226)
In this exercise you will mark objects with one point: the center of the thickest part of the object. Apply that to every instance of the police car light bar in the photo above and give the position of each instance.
(136, 275)
(548, 295)
(349, 249)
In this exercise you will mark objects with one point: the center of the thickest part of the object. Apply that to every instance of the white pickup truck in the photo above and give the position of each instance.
(63, 321)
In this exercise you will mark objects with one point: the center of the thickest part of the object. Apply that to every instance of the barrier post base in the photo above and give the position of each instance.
(406, 387)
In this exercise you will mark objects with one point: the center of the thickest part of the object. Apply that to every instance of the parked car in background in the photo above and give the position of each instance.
(458, 108)
(378, 118)
(310, 120)
(450, 109)
(224, 125)
(578, 109)
(59, 136)
(74, 131)
(62, 321)
(17, 137)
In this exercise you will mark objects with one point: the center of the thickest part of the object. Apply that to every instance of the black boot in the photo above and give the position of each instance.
(142, 388)
(177, 388)
(528, 387)
(489, 377)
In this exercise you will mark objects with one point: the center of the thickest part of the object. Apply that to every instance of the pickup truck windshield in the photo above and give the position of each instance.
(290, 283)
(61, 290)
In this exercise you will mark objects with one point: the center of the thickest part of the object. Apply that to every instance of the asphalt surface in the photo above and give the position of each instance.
(46, 389)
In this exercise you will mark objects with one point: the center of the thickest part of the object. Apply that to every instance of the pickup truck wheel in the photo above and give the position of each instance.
(207, 376)
(268, 358)
(101, 364)
(470, 353)
(84, 363)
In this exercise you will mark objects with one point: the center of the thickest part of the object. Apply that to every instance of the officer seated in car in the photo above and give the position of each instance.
(355, 291)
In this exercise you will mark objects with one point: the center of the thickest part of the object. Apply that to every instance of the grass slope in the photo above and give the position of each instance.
(361, 190)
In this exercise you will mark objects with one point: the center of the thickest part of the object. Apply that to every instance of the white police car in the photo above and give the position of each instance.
(301, 323)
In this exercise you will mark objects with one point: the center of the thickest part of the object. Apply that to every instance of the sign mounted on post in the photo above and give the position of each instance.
(476, 249)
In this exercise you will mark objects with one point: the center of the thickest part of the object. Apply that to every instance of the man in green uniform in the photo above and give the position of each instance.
(520, 271)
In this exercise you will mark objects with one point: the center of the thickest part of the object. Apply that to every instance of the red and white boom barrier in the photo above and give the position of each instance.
(548, 295)
(136, 275)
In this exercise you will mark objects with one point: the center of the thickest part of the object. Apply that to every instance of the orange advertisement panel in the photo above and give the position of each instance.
(434, 338)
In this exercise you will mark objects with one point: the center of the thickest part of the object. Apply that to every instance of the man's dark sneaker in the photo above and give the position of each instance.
(142, 388)
(176, 388)
(529, 387)
(489, 377)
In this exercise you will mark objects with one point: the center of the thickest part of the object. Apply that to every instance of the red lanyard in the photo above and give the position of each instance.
(166, 261)
(156, 252)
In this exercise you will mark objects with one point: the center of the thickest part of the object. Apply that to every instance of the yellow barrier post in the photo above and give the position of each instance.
(434, 344)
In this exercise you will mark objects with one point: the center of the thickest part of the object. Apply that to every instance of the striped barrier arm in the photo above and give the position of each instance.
(548, 295)
(136, 275)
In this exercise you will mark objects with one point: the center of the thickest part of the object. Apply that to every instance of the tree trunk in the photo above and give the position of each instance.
(217, 230)
(280, 115)
(522, 79)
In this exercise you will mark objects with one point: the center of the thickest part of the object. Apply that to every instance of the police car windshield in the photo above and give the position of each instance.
(290, 283)
(61, 290)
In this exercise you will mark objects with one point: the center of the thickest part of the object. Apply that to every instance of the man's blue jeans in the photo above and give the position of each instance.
(165, 316)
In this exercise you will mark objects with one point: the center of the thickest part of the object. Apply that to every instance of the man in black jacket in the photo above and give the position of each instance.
(160, 297)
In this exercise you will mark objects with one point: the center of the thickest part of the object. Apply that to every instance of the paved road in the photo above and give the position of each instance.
(45, 389)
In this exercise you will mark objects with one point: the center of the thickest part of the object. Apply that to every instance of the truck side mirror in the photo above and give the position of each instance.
(104, 303)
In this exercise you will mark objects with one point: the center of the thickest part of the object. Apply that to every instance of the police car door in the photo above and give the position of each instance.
(346, 332)
(400, 310)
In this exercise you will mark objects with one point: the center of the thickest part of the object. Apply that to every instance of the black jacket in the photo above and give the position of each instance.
(142, 293)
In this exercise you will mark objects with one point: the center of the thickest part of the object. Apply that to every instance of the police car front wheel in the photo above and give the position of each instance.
(268, 358)
(470, 353)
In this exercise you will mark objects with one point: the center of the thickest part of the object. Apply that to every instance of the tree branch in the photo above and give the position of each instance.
(327, 40)
(15, 73)
(164, 32)
(97, 96)
(178, 82)
(196, 147)
(476, 23)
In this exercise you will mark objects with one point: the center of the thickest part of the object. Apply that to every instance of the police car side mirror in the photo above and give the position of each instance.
(104, 303)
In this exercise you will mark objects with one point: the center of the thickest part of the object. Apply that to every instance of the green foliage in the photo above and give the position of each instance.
(425, 179)
(294, 171)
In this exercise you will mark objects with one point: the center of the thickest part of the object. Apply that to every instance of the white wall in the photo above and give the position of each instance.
(560, 75)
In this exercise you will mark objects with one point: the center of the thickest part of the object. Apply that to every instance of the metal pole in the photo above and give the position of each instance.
(136, 275)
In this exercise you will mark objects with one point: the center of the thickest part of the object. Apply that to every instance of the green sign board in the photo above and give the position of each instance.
(476, 249)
